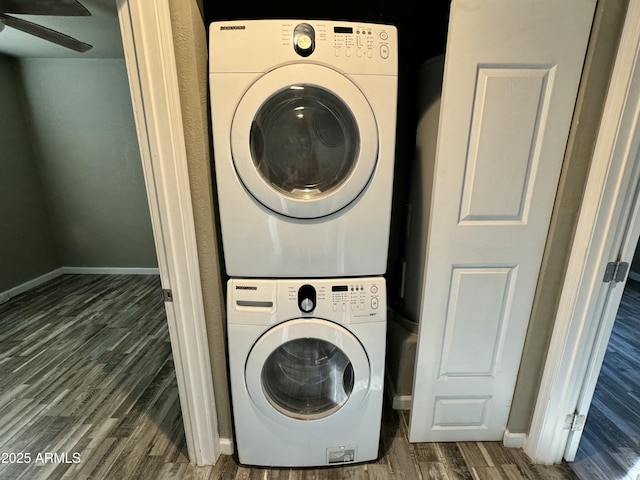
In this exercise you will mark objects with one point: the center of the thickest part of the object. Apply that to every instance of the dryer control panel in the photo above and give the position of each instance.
(347, 40)
(252, 46)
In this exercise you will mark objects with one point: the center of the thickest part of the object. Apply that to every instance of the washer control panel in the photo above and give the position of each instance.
(355, 296)
(342, 300)
(337, 298)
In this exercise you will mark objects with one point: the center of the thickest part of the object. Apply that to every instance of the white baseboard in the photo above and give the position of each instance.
(110, 271)
(33, 283)
(398, 402)
(402, 402)
(514, 440)
(226, 446)
(4, 297)
(36, 282)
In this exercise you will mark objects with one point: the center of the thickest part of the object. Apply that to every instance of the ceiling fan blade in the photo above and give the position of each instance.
(45, 33)
(70, 8)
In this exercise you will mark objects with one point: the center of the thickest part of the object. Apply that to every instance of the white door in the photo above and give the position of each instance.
(512, 70)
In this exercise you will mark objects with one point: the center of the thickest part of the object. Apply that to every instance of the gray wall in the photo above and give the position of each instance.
(27, 249)
(72, 191)
(86, 148)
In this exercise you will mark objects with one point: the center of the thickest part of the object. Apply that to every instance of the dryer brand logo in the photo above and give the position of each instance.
(246, 287)
(232, 27)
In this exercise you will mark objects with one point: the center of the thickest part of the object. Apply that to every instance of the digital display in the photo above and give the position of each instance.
(339, 288)
(343, 30)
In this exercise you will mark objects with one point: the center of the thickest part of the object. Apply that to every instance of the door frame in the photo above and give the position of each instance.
(153, 80)
(584, 318)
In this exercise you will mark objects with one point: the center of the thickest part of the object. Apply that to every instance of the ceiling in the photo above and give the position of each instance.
(101, 30)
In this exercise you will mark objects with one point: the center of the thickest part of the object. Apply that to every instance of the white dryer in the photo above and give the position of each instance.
(304, 125)
(306, 361)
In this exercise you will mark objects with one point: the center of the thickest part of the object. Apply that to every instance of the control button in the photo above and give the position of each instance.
(384, 35)
(374, 302)
(306, 305)
(374, 289)
(304, 42)
(384, 51)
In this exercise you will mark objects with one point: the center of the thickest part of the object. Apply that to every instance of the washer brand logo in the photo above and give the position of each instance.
(232, 27)
(246, 287)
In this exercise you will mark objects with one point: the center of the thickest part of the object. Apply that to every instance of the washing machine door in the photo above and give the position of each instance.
(304, 141)
(307, 369)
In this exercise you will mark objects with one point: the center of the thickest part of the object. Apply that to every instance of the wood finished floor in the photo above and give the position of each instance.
(87, 374)
(610, 445)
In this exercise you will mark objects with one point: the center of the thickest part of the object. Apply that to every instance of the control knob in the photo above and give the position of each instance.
(307, 298)
(304, 39)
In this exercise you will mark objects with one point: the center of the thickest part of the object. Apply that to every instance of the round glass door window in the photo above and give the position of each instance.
(304, 141)
(307, 378)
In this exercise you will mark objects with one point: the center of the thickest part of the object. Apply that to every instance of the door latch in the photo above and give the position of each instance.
(167, 295)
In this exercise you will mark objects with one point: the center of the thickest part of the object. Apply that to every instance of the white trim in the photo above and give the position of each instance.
(576, 332)
(402, 402)
(398, 402)
(226, 446)
(153, 79)
(514, 440)
(30, 284)
(109, 271)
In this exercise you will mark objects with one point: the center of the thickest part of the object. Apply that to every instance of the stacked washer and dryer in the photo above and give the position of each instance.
(303, 118)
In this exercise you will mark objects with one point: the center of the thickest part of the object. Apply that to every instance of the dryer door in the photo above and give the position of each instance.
(304, 141)
(307, 369)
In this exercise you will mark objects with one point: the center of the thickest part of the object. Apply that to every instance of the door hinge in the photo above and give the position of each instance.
(615, 272)
(167, 294)
(574, 422)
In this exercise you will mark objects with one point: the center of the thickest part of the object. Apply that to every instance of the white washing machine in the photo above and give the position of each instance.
(306, 361)
(304, 128)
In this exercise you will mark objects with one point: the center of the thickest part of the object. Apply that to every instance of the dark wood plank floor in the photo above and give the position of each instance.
(88, 390)
(610, 444)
